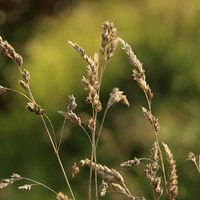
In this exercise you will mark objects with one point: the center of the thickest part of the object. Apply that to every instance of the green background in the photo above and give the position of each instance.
(165, 36)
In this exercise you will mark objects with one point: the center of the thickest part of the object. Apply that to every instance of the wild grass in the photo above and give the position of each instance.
(164, 186)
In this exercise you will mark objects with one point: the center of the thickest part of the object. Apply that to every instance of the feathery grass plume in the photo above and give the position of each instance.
(70, 114)
(130, 163)
(192, 157)
(7, 50)
(172, 183)
(103, 188)
(138, 71)
(108, 35)
(2, 89)
(117, 96)
(151, 170)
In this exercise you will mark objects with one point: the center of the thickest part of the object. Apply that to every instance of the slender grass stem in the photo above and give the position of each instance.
(21, 93)
(55, 141)
(38, 183)
(61, 135)
(58, 157)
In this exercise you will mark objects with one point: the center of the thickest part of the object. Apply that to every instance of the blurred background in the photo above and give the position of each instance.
(165, 36)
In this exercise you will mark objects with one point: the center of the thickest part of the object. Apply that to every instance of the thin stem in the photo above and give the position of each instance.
(13, 90)
(58, 157)
(126, 189)
(101, 126)
(61, 135)
(86, 134)
(55, 141)
(38, 183)
(197, 166)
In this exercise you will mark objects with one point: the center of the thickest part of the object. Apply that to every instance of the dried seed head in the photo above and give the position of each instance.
(151, 170)
(24, 85)
(130, 163)
(16, 176)
(138, 71)
(192, 157)
(7, 50)
(172, 183)
(103, 188)
(117, 96)
(108, 35)
(151, 118)
(72, 103)
(82, 52)
(110, 49)
(91, 125)
(2, 89)
(26, 75)
(61, 196)
(118, 188)
(33, 107)
(25, 187)
(8, 181)
(75, 170)
(108, 175)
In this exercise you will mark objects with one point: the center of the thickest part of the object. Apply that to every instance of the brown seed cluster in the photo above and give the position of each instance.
(7, 50)
(103, 188)
(151, 170)
(151, 118)
(111, 176)
(70, 114)
(8, 181)
(91, 84)
(130, 163)
(108, 38)
(33, 107)
(61, 196)
(26, 187)
(172, 183)
(138, 71)
(117, 96)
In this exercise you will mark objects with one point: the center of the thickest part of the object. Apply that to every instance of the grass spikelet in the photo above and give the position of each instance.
(117, 96)
(7, 50)
(25, 187)
(108, 35)
(152, 119)
(130, 163)
(172, 183)
(61, 196)
(151, 170)
(70, 114)
(192, 157)
(103, 188)
(138, 71)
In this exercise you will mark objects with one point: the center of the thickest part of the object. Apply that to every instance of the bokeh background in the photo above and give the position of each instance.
(165, 35)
